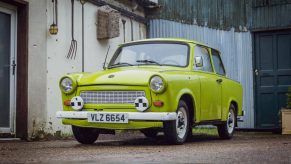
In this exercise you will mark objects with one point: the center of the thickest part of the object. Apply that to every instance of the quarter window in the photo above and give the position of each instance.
(217, 62)
(203, 52)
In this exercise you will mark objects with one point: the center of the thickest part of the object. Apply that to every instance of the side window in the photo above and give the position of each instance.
(217, 62)
(204, 54)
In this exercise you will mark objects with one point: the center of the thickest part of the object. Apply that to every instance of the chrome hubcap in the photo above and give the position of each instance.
(181, 122)
(230, 122)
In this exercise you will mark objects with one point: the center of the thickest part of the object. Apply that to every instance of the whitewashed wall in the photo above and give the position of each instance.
(47, 57)
(37, 58)
(236, 49)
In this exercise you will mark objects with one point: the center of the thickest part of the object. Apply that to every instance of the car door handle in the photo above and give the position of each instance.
(219, 80)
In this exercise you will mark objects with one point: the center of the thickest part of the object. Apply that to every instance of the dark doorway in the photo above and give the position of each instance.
(18, 68)
(7, 70)
(272, 76)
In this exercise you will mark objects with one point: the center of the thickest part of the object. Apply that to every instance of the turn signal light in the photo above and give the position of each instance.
(67, 102)
(158, 103)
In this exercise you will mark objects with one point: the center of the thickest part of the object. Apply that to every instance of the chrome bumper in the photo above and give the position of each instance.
(147, 116)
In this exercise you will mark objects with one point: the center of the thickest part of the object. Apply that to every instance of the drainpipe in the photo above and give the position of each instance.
(123, 23)
(134, 8)
(131, 24)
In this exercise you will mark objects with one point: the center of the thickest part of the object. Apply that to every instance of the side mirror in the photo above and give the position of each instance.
(198, 61)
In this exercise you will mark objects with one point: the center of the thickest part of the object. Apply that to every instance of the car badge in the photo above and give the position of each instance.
(111, 76)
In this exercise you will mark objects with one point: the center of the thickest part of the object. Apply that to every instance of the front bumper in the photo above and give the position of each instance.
(146, 116)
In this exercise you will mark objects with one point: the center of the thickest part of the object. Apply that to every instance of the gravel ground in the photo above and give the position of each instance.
(245, 147)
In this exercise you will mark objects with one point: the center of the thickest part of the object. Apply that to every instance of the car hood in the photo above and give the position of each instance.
(119, 76)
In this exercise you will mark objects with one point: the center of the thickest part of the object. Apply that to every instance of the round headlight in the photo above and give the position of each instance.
(67, 85)
(157, 84)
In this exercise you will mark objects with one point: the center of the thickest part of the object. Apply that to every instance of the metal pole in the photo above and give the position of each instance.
(83, 56)
(123, 23)
(131, 24)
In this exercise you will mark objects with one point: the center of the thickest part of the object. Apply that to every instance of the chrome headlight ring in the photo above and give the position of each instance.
(68, 84)
(157, 84)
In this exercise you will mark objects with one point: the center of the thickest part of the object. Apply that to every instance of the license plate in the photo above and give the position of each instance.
(108, 117)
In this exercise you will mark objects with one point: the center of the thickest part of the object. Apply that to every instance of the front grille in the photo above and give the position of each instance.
(111, 97)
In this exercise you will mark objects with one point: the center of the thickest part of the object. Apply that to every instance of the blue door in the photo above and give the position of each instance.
(272, 76)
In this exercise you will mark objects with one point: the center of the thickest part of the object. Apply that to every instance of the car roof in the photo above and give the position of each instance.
(182, 40)
(167, 39)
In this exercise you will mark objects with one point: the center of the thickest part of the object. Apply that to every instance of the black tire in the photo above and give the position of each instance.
(85, 135)
(226, 130)
(171, 127)
(150, 133)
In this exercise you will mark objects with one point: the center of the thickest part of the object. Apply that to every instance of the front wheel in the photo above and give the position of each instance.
(85, 135)
(176, 132)
(226, 129)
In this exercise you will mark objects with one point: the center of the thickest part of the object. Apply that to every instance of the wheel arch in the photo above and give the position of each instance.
(226, 106)
(235, 104)
(190, 101)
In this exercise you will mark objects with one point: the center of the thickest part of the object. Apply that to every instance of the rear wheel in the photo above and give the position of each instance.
(227, 129)
(85, 135)
(176, 132)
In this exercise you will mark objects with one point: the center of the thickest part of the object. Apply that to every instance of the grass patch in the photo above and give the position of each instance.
(195, 131)
(205, 131)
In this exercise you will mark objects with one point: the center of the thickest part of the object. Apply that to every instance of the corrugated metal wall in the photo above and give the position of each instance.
(236, 48)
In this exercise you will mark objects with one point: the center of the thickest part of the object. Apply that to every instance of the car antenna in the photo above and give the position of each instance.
(106, 57)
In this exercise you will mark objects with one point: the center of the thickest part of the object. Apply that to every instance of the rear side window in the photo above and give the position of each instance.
(217, 62)
(203, 52)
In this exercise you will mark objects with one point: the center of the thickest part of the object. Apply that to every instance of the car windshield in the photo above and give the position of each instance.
(161, 54)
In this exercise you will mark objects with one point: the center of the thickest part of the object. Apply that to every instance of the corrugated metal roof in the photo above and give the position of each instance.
(222, 14)
(236, 48)
(271, 17)
(226, 14)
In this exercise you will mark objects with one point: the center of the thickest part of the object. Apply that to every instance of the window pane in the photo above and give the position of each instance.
(5, 32)
(217, 63)
(203, 52)
(170, 54)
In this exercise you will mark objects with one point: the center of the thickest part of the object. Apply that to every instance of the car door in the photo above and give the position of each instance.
(223, 81)
(210, 97)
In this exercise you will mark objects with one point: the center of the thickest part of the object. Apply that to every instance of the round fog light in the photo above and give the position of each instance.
(141, 104)
(77, 103)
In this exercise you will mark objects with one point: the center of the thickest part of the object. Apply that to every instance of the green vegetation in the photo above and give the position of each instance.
(41, 135)
(206, 131)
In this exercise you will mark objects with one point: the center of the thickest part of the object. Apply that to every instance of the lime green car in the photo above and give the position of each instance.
(153, 85)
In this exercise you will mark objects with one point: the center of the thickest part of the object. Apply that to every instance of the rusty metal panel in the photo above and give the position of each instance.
(218, 14)
(242, 15)
(236, 48)
(273, 16)
(264, 3)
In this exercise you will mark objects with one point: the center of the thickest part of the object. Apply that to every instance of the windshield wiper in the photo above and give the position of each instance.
(120, 64)
(148, 61)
